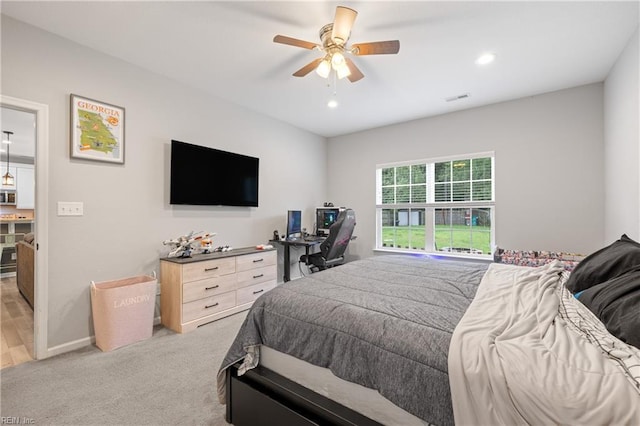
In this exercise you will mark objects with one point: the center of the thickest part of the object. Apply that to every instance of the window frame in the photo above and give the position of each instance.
(430, 205)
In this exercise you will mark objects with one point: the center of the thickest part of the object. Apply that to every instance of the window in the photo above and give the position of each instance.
(440, 205)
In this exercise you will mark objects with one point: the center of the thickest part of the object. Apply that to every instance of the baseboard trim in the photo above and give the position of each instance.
(70, 346)
(80, 343)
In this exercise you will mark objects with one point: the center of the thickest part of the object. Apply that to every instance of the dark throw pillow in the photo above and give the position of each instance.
(617, 304)
(607, 263)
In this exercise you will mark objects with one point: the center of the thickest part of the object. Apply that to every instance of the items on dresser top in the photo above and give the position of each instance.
(204, 288)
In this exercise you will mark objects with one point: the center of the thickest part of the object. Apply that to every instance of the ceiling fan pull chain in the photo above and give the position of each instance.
(333, 99)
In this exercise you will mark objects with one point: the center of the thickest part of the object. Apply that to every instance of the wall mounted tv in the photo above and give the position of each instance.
(211, 177)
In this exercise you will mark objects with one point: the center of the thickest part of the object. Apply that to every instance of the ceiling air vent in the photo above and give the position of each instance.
(457, 98)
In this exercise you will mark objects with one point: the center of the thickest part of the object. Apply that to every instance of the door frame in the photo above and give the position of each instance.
(41, 231)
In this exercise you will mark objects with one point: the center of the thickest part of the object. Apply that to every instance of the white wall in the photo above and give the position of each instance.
(549, 169)
(549, 166)
(126, 209)
(622, 145)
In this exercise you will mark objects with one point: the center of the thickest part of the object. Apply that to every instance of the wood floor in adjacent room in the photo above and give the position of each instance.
(16, 322)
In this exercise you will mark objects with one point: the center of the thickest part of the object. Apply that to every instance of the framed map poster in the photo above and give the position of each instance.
(97, 130)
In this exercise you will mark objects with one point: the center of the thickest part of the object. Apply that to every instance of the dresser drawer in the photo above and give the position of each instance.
(252, 292)
(195, 290)
(208, 268)
(257, 275)
(256, 260)
(210, 305)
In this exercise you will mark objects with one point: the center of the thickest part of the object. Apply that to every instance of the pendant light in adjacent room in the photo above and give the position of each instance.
(7, 178)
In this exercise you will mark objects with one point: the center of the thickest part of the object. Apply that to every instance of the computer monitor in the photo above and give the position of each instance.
(294, 223)
(325, 217)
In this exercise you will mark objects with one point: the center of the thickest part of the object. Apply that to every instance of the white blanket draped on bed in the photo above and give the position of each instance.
(517, 358)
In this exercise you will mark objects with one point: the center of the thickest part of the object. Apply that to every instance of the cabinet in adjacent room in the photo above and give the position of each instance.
(207, 287)
(25, 187)
(23, 184)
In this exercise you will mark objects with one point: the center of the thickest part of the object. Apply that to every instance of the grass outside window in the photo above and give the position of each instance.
(453, 237)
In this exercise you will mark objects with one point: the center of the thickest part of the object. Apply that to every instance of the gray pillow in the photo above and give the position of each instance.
(605, 264)
(616, 303)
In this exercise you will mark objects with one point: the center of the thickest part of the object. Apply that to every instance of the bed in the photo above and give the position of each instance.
(402, 339)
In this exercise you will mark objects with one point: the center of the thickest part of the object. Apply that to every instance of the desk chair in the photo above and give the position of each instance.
(332, 249)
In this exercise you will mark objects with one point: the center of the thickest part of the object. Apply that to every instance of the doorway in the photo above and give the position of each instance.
(17, 214)
(25, 281)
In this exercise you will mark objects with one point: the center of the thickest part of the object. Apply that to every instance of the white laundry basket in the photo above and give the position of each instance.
(123, 310)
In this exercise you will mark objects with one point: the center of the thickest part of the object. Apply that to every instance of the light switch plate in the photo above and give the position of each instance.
(70, 208)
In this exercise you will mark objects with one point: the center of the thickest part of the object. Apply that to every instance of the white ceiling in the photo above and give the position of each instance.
(23, 139)
(226, 49)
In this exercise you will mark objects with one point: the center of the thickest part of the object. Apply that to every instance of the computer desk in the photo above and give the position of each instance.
(300, 242)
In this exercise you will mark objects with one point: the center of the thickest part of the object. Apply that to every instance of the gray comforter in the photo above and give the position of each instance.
(384, 322)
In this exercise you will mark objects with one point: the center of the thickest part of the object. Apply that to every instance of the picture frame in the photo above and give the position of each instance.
(97, 130)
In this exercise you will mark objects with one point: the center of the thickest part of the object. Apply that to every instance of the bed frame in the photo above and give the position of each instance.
(262, 397)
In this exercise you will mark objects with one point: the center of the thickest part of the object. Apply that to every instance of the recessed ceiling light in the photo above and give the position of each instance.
(485, 58)
(332, 103)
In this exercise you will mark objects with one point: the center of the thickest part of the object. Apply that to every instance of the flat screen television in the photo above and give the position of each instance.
(211, 177)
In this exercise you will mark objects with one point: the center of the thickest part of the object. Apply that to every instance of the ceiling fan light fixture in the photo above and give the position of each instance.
(333, 103)
(343, 71)
(324, 68)
(337, 60)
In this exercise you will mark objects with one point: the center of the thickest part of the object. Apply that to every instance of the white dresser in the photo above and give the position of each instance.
(207, 287)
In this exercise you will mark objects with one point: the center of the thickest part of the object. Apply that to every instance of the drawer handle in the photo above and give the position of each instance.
(258, 260)
(210, 269)
(258, 276)
(211, 288)
(259, 291)
(211, 306)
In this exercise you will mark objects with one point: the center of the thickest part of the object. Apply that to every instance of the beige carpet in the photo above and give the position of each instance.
(168, 379)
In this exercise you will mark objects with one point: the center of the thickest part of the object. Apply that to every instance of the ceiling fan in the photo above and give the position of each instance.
(334, 37)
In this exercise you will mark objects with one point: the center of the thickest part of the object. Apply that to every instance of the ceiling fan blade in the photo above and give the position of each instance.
(307, 68)
(342, 24)
(294, 42)
(356, 74)
(376, 48)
